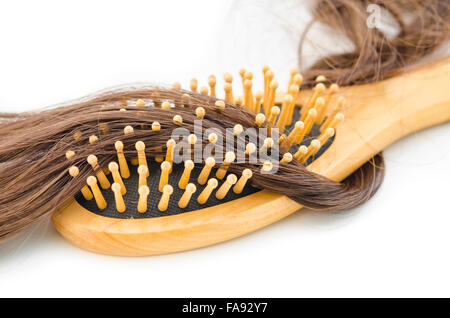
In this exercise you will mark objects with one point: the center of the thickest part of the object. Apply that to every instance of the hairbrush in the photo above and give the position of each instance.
(133, 199)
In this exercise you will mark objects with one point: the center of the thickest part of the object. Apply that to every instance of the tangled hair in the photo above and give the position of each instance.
(33, 169)
(423, 26)
(33, 166)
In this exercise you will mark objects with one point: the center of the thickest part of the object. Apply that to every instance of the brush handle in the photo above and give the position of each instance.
(381, 113)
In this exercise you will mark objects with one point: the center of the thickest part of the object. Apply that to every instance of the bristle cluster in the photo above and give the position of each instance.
(319, 109)
(270, 112)
(121, 170)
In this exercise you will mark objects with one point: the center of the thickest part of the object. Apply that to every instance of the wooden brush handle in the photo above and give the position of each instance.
(381, 113)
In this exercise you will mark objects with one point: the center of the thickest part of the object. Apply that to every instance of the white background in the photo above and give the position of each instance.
(53, 51)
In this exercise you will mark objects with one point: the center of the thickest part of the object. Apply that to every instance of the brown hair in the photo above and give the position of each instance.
(423, 26)
(33, 173)
(33, 167)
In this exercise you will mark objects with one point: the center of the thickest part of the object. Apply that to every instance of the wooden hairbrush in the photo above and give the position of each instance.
(171, 207)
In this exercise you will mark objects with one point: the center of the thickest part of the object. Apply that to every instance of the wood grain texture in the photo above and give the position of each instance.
(167, 234)
(376, 115)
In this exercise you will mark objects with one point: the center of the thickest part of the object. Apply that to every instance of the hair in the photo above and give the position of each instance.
(423, 26)
(33, 166)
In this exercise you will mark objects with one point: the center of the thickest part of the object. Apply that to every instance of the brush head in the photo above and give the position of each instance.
(303, 141)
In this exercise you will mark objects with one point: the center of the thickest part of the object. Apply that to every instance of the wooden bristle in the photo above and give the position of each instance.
(204, 174)
(140, 103)
(250, 148)
(268, 76)
(287, 157)
(184, 179)
(239, 101)
(309, 121)
(93, 161)
(248, 94)
(240, 184)
(120, 204)
(238, 129)
(332, 122)
(142, 159)
(156, 126)
(93, 139)
(327, 134)
(170, 144)
(98, 196)
(143, 172)
(292, 72)
(321, 79)
(114, 168)
(212, 138)
(143, 191)
(192, 140)
(220, 104)
(248, 75)
(260, 119)
(317, 91)
(206, 193)
(302, 150)
(77, 135)
(212, 85)
(124, 170)
(285, 111)
(70, 154)
(165, 198)
(226, 186)
(177, 120)
(228, 78)
(258, 101)
(186, 100)
(204, 90)
(274, 112)
(103, 127)
(294, 92)
(230, 156)
(242, 74)
(268, 143)
(200, 112)
(295, 135)
(193, 84)
(128, 130)
(166, 105)
(332, 114)
(334, 88)
(186, 197)
(272, 93)
(267, 166)
(319, 106)
(312, 150)
(228, 88)
(87, 194)
(164, 179)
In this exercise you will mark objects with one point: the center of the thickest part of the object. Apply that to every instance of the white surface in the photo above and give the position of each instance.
(395, 245)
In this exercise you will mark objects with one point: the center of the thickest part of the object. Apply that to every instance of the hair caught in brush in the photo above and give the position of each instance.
(33, 166)
(423, 26)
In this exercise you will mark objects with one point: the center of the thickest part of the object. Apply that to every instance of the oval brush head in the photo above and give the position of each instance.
(146, 186)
